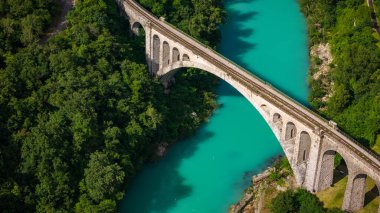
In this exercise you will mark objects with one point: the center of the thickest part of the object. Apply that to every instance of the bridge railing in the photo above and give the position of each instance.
(371, 152)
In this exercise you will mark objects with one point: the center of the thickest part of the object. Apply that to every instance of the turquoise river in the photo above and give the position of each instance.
(209, 171)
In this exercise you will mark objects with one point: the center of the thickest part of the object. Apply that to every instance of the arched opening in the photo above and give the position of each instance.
(137, 33)
(156, 54)
(304, 147)
(355, 193)
(185, 57)
(137, 29)
(291, 131)
(372, 196)
(332, 169)
(166, 54)
(332, 182)
(277, 121)
(176, 55)
(265, 109)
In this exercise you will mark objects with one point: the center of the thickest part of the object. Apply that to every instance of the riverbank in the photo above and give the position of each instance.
(278, 177)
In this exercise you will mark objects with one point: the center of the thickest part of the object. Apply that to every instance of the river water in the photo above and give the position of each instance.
(209, 172)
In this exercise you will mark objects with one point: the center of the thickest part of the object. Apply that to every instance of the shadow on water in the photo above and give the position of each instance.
(238, 42)
(238, 45)
(159, 186)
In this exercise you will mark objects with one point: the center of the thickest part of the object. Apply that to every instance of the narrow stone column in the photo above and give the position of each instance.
(355, 193)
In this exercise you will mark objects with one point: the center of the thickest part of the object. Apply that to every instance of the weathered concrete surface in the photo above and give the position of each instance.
(308, 140)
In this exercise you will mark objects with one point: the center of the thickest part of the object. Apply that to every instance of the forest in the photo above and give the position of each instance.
(354, 78)
(79, 114)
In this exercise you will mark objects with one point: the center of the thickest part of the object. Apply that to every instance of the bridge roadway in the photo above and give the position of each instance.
(260, 87)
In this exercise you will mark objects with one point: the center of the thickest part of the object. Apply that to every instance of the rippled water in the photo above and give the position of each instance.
(209, 172)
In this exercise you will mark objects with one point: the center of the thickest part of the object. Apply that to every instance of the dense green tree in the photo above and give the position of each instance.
(299, 200)
(354, 74)
(284, 202)
(80, 114)
(102, 178)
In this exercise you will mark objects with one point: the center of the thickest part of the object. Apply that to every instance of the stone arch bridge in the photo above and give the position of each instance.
(309, 142)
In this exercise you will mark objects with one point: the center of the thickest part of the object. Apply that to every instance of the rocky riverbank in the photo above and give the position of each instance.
(265, 186)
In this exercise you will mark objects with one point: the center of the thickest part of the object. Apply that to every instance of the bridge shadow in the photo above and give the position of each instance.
(371, 195)
(235, 40)
(159, 186)
(235, 36)
(340, 172)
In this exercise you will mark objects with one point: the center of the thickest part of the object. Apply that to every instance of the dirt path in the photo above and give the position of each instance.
(59, 23)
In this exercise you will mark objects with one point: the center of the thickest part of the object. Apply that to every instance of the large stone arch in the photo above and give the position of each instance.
(156, 54)
(187, 62)
(274, 121)
(265, 109)
(304, 147)
(165, 54)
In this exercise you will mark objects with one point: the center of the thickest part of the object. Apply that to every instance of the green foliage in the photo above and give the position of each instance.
(281, 169)
(284, 202)
(199, 18)
(22, 22)
(298, 201)
(80, 114)
(347, 26)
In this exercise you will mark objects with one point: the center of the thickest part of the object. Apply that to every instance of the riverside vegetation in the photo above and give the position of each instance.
(349, 93)
(80, 114)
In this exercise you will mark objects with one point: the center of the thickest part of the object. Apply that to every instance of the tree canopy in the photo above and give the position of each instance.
(355, 71)
(80, 114)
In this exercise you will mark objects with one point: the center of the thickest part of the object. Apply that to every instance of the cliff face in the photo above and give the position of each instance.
(320, 69)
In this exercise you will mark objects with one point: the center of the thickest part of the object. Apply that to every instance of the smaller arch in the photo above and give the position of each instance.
(265, 109)
(137, 28)
(156, 54)
(176, 55)
(277, 121)
(185, 57)
(166, 54)
(277, 118)
(291, 131)
(304, 147)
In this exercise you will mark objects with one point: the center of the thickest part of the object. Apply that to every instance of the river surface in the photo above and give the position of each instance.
(209, 171)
